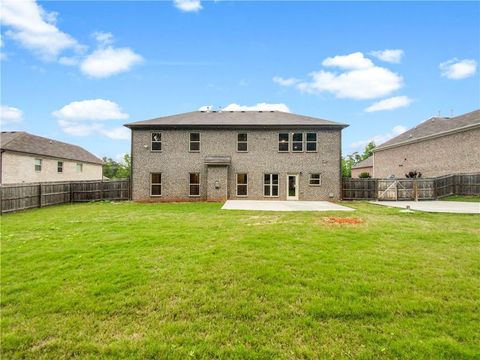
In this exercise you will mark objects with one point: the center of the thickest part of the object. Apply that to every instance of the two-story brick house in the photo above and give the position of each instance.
(210, 155)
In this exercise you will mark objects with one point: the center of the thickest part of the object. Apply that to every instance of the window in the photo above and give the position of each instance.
(242, 144)
(38, 165)
(283, 142)
(242, 185)
(195, 142)
(79, 167)
(194, 184)
(311, 142)
(315, 179)
(60, 166)
(156, 184)
(270, 185)
(297, 142)
(156, 141)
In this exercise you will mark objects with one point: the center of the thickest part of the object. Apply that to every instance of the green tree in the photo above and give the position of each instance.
(351, 160)
(117, 170)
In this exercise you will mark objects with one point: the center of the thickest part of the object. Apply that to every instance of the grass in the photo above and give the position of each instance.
(468, 198)
(180, 281)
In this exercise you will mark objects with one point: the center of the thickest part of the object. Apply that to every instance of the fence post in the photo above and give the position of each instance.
(40, 195)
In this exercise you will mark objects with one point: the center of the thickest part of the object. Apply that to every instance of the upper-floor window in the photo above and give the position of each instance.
(38, 165)
(297, 142)
(156, 184)
(242, 184)
(156, 141)
(283, 142)
(79, 167)
(194, 184)
(60, 166)
(315, 179)
(311, 142)
(242, 142)
(270, 185)
(195, 142)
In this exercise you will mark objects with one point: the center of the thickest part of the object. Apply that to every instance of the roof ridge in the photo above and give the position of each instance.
(20, 133)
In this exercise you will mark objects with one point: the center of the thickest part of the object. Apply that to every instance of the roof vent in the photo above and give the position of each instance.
(243, 111)
(260, 111)
(272, 110)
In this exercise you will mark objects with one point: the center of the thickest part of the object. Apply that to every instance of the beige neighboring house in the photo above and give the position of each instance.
(438, 146)
(27, 158)
(218, 155)
(364, 166)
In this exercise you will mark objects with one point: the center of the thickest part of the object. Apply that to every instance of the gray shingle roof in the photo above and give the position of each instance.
(434, 127)
(238, 119)
(368, 162)
(24, 142)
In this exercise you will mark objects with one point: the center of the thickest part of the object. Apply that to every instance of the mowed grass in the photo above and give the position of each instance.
(181, 281)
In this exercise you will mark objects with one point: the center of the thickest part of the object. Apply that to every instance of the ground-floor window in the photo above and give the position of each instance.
(242, 184)
(270, 185)
(315, 179)
(156, 184)
(194, 184)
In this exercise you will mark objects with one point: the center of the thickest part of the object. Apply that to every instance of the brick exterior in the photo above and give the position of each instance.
(175, 162)
(357, 171)
(450, 154)
(19, 168)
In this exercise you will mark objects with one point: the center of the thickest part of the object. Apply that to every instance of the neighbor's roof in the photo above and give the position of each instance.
(20, 141)
(234, 119)
(436, 126)
(368, 162)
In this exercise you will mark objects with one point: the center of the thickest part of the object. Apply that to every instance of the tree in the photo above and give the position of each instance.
(353, 159)
(117, 170)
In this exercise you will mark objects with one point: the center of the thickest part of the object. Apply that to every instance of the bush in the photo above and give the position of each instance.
(364, 175)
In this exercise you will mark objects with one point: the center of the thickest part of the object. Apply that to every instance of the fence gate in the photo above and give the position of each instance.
(387, 189)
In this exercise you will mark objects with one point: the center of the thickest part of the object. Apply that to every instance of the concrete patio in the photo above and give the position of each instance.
(273, 205)
(457, 207)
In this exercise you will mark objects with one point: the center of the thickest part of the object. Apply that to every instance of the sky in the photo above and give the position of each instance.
(78, 71)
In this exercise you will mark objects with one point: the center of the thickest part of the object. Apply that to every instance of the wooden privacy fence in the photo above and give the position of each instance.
(14, 197)
(411, 189)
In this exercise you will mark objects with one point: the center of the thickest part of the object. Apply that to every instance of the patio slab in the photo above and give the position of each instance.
(273, 205)
(457, 207)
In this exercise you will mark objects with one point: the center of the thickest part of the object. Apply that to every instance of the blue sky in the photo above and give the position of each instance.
(77, 71)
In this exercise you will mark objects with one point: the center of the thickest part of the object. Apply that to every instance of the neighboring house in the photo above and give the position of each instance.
(222, 155)
(27, 158)
(438, 146)
(364, 166)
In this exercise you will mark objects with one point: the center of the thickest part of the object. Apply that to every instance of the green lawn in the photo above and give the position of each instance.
(180, 281)
(469, 198)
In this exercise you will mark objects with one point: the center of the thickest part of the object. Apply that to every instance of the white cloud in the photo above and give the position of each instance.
(105, 62)
(96, 109)
(10, 115)
(379, 139)
(188, 5)
(458, 69)
(69, 60)
(84, 118)
(257, 107)
(351, 61)
(285, 81)
(389, 55)
(35, 29)
(361, 80)
(103, 38)
(390, 104)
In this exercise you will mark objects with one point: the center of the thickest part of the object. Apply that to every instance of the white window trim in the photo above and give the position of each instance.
(190, 184)
(190, 142)
(271, 185)
(319, 179)
(311, 142)
(58, 162)
(160, 183)
(78, 168)
(35, 165)
(241, 142)
(151, 141)
(236, 186)
(303, 142)
(288, 142)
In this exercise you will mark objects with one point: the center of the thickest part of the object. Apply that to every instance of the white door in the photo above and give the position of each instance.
(292, 187)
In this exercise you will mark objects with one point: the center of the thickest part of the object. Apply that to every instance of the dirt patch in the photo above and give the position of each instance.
(343, 220)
